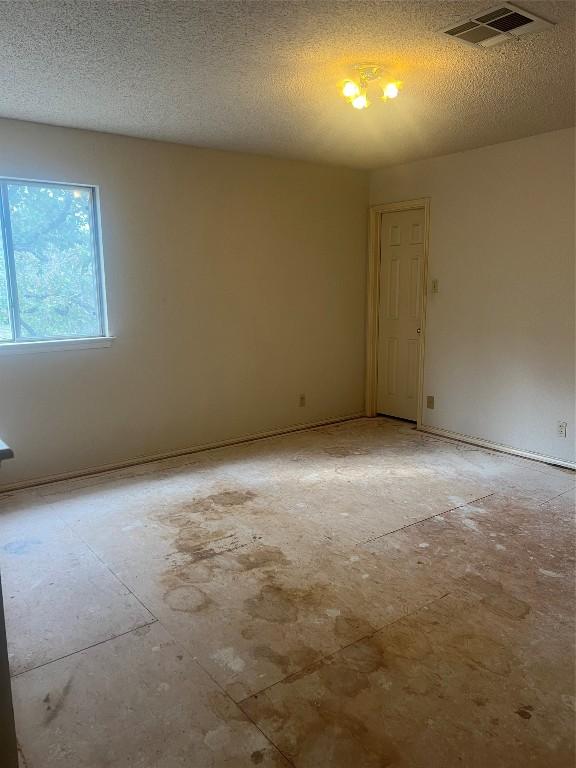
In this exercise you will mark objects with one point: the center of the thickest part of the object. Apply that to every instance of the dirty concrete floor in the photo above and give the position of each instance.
(354, 595)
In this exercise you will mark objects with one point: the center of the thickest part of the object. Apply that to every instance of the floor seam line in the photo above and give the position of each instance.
(81, 650)
(268, 739)
(343, 648)
(424, 519)
(542, 503)
(104, 563)
(221, 688)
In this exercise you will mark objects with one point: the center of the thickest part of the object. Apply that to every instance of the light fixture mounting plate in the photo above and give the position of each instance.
(368, 72)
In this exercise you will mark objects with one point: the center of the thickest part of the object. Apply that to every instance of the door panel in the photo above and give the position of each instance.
(393, 289)
(414, 287)
(391, 366)
(400, 313)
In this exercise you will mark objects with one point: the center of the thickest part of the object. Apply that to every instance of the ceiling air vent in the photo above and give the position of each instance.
(496, 25)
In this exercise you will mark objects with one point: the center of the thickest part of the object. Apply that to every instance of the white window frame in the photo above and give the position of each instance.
(18, 345)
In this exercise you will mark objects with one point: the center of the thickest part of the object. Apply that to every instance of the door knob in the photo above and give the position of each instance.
(418, 330)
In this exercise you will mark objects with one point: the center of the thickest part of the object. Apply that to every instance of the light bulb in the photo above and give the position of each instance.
(391, 90)
(350, 89)
(360, 101)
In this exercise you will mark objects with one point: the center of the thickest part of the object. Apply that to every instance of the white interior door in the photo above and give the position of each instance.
(400, 312)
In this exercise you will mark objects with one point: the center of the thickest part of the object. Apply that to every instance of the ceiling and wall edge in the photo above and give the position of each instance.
(265, 156)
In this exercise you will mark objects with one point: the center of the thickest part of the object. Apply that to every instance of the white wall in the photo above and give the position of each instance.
(234, 282)
(500, 333)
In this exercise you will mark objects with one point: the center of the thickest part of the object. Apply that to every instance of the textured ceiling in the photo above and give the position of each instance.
(262, 76)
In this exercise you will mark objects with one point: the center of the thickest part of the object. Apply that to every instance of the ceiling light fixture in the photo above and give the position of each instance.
(360, 101)
(355, 90)
(350, 89)
(391, 90)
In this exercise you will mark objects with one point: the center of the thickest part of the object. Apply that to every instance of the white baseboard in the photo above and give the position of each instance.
(497, 447)
(103, 469)
(108, 468)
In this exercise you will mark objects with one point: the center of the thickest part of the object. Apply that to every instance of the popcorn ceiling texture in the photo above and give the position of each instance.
(262, 76)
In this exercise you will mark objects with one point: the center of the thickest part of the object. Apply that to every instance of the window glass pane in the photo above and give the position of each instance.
(5, 331)
(55, 261)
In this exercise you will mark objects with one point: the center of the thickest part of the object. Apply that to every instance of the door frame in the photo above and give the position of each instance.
(373, 299)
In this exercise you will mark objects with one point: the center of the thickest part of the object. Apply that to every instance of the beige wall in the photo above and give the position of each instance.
(234, 283)
(500, 332)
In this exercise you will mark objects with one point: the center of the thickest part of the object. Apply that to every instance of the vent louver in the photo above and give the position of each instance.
(496, 25)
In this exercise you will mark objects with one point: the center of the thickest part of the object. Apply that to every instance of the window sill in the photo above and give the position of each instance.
(55, 345)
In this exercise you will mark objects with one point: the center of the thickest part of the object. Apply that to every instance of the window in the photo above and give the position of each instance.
(50, 272)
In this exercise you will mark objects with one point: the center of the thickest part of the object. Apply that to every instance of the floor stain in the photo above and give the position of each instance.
(342, 451)
(366, 656)
(346, 627)
(507, 606)
(249, 632)
(401, 641)
(187, 598)
(208, 547)
(266, 653)
(21, 546)
(224, 708)
(52, 710)
(275, 604)
(22, 761)
(346, 740)
(423, 685)
(217, 506)
(199, 541)
(286, 662)
(496, 599)
(483, 652)
(142, 631)
(280, 604)
(346, 672)
(343, 681)
(263, 557)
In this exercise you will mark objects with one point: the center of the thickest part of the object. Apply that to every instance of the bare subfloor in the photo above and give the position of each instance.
(354, 596)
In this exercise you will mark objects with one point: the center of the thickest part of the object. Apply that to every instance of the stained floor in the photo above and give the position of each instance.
(354, 595)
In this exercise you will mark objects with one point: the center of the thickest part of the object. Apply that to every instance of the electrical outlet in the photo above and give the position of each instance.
(302, 401)
(430, 402)
(562, 429)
